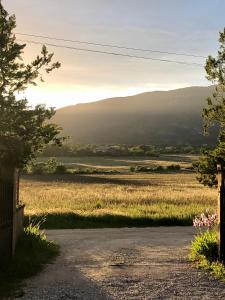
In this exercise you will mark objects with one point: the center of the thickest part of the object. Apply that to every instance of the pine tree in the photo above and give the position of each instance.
(24, 130)
(214, 115)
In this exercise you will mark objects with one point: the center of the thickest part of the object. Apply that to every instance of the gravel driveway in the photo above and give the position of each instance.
(127, 263)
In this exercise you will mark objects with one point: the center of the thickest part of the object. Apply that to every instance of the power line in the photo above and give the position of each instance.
(111, 45)
(112, 53)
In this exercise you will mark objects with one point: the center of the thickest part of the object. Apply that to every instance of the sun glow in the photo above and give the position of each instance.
(55, 96)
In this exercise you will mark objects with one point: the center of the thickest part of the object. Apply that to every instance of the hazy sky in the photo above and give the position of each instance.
(168, 25)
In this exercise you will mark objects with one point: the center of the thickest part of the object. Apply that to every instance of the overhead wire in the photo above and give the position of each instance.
(111, 45)
(112, 53)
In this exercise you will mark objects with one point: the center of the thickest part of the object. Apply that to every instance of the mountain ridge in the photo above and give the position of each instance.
(158, 117)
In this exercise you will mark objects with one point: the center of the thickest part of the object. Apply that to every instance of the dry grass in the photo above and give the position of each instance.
(71, 201)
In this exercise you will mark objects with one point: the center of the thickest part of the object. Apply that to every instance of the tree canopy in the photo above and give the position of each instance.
(24, 130)
(214, 115)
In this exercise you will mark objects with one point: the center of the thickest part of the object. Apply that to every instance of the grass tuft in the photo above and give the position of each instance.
(33, 251)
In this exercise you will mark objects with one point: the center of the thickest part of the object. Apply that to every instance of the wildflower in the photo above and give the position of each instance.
(205, 220)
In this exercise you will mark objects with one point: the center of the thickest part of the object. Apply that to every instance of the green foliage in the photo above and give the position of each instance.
(33, 251)
(152, 153)
(214, 115)
(172, 167)
(60, 169)
(94, 171)
(74, 150)
(41, 251)
(204, 253)
(36, 169)
(206, 168)
(51, 166)
(204, 245)
(145, 169)
(24, 130)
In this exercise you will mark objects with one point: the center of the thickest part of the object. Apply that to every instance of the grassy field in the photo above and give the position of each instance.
(123, 164)
(85, 201)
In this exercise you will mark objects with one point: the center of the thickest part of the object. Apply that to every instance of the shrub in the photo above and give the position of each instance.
(132, 169)
(173, 168)
(94, 171)
(51, 166)
(37, 169)
(61, 169)
(204, 246)
(152, 154)
(146, 169)
(98, 205)
(159, 169)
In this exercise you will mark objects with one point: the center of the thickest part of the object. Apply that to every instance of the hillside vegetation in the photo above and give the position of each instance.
(168, 117)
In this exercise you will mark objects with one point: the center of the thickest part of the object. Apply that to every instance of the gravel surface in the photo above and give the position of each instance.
(127, 263)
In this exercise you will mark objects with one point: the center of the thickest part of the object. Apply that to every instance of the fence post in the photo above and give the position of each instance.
(221, 211)
(15, 203)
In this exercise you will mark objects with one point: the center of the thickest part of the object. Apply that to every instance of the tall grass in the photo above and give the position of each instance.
(116, 200)
(33, 251)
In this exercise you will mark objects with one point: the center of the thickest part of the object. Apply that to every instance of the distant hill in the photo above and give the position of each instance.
(161, 117)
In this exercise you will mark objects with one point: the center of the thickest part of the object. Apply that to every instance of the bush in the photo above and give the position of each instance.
(61, 169)
(51, 166)
(146, 169)
(152, 154)
(132, 169)
(94, 171)
(173, 168)
(37, 169)
(159, 169)
(204, 246)
(204, 253)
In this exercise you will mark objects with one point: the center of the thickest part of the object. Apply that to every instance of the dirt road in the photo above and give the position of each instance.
(127, 263)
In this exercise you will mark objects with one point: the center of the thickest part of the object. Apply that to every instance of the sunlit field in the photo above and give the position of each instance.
(126, 199)
(123, 164)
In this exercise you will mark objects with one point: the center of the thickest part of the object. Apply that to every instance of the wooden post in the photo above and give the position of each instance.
(6, 212)
(15, 203)
(221, 211)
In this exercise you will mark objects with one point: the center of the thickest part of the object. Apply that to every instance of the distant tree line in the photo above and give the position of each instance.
(117, 150)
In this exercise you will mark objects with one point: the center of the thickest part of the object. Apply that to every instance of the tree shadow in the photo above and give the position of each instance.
(72, 220)
(91, 179)
(46, 284)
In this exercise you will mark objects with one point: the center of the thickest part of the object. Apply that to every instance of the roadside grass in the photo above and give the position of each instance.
(33, 251)
(204, 254)
(92, 201)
